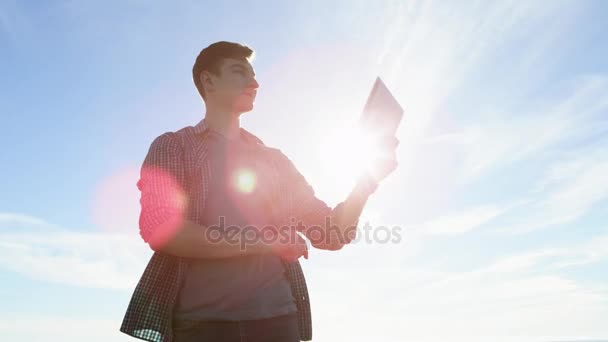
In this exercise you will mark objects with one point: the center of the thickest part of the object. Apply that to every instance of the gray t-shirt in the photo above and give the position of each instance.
(236, 288)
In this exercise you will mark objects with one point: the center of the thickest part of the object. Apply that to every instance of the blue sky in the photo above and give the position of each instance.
(501, 192)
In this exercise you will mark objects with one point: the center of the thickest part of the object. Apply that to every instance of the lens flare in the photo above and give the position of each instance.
(353, 148)
(114, 205)
(244, 180)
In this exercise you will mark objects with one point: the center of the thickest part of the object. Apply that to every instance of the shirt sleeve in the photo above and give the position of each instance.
(314, 214)
(163, 199)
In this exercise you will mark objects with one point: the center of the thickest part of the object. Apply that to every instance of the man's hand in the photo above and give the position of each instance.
(386, 162)
(290, 250)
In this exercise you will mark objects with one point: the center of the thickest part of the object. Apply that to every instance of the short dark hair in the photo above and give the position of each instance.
(211, 58)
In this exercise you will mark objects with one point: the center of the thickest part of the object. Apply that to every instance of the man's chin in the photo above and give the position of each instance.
(245, 108)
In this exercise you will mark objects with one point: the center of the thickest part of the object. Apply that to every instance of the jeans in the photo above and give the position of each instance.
(275, 329)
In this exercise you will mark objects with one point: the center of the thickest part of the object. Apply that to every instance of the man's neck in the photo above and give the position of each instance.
(225, 123)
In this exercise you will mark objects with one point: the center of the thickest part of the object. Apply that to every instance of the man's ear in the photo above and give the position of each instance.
(207, 81)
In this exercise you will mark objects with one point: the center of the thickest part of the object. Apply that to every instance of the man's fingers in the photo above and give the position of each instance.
(295, 249)
(389, 142)
(302, 247)
(291, 256)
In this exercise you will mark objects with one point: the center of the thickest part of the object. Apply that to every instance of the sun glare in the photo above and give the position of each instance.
(350, 151)
(244, 180)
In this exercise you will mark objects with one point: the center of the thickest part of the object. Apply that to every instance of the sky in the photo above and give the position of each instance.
(499, 202)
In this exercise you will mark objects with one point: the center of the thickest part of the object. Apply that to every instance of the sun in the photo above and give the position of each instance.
(350, 151)
(244, 180)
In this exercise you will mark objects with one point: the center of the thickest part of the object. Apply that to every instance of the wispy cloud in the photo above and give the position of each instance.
(511, 138)
(569, 190)
(430, 55)
(557, 257)
(429, 50)
(16, 219)
(89, 259)
(59, 328)
(517, 297)
(568, 136)
(460, 222)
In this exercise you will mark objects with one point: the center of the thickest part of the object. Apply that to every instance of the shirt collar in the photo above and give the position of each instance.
(200, 127)
(247, 136)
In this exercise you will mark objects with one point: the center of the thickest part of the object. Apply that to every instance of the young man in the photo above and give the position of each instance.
(220, 210)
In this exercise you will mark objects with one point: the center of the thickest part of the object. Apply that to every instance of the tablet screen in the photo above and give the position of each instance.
(382, 113)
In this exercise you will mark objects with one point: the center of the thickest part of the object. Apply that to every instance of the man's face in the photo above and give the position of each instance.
(235, 87)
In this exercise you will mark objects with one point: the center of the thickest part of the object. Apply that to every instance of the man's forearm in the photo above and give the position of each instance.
(344, 218)
(352, 207)
(192, 241)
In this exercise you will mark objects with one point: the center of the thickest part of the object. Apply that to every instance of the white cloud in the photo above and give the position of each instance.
(91, 259)
(577, 197)
(432, 48)
(592, 251)
(16, 219)
(515, 298)
(464, 220)
(461, 222)
(59, 328)
(511, 138)
(553, 258)
(569, 189)
(574, 180)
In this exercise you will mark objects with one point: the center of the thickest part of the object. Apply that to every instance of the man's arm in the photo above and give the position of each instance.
(193, 240)
(190, 241)
(164, 204)
(347, 213)
(338, 226)
(325, 227)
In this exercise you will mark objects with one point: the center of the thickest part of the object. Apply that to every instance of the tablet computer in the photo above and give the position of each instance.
(382, 113)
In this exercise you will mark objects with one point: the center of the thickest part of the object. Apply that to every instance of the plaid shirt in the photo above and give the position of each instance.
(183, 156)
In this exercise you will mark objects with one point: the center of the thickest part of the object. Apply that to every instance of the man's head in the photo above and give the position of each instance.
(224, 76)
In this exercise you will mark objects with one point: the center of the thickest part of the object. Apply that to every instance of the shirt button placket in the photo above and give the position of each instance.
(242, 332)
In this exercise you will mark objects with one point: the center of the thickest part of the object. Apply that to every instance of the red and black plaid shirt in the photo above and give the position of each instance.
(174, 182)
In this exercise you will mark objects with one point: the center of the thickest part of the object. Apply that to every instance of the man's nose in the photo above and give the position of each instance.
(253, 84)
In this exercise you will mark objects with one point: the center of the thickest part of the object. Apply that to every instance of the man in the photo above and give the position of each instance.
(220, 210)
